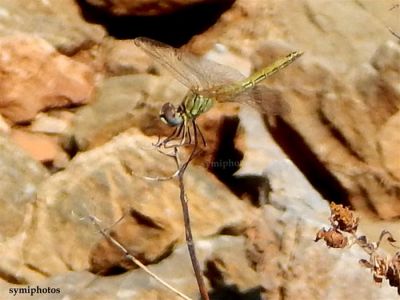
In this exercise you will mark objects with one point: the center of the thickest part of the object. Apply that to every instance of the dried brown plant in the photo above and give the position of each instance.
(343, 228)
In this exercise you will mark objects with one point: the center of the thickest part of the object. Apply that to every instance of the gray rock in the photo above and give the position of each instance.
(57, 21)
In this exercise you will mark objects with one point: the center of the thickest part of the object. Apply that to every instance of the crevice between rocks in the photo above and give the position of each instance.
(295, 148)
(6, 276)
(308, 163)
(226, 162)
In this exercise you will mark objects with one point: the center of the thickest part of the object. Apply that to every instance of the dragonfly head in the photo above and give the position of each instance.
(170, 115)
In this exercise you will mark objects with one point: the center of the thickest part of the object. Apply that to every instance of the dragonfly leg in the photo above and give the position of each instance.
(158, 143)
(179, 131)
(161, 142)
(189, 136)
(174, 136)
(195, 144)
(185, 134)
(200, 134)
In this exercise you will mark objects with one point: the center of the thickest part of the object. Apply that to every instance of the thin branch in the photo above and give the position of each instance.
(394, 33)
(181, 168)
(189, 239)
(134, 259)
(157, 178)
(186, 218)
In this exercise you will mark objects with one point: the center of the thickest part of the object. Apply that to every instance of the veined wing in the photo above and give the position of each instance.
(194, 72)
(264, 99)
(255, 78)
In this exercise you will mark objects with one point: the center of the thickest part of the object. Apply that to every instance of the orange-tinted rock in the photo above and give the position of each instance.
(389, 143)
(106, 183)
(35, 77)
(41, 147)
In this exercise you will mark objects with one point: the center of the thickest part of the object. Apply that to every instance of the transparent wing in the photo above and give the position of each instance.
(265, 100)
(192, 71)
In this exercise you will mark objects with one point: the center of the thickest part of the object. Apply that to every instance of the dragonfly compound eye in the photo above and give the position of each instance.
(169, 115)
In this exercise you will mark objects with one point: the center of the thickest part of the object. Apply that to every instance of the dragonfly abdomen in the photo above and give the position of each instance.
(268, 71)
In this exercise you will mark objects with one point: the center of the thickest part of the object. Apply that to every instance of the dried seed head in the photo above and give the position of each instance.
(393, 272)
(343, 219)
(332, 238)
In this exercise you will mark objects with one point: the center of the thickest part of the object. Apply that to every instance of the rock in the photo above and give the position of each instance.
(63, 27)
(228, 269)
(340, 124)
(27, 63)
(318, 28)
(139, 233)
(21, 176)
(56, 123)
(175, 269)
(145, 8)
(283, 244)
(280, 243)
(4, 127)
(99, 183)
(221, 54)
(124, 57)
(389, 142)
(43, 148)
(20, 179)
(341, 133)
(122, 102)
(339, 99)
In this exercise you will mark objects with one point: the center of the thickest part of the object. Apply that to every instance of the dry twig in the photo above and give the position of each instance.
(133, 259)
(179, 174)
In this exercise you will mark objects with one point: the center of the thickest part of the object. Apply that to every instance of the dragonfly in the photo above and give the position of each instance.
(209, 82)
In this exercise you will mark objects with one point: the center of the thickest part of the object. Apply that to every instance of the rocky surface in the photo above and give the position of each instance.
(344, 75)
(57, 21)
(27, 63)
(79, 114)
(136, 100)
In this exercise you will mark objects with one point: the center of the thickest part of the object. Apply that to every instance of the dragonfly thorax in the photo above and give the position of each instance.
(195, 104)
(191, 107)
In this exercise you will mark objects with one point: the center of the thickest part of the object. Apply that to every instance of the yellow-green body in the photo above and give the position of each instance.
(195, 103)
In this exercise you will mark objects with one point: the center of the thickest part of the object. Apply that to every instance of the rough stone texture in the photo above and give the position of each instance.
(175, 269)
(284, 245)
(57, 21)
(4, 126)
(145, 7)
(342, 125)
(122, 102)
(35, 77)
(346, 32)
(344, 97)
(99, 183)
(20, 177)
(52, 122)
(343, 91)
(41, 147)
(281, 239)
(390, 144)
(228, 270)
(19, 180)
(123, 57)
